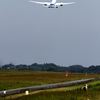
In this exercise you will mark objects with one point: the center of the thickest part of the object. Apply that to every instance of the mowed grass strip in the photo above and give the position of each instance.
(11, 79)
(66, 93)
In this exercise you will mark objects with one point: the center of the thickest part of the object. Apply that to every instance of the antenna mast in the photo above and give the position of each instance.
(0, 63)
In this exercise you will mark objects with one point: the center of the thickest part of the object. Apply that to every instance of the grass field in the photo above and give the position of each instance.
(11, 79)
(66, 93)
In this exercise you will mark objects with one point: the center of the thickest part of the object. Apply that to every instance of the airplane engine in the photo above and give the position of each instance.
(61, 5)
(45, 4)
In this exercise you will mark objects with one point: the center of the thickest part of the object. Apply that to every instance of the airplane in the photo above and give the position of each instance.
(52, 4)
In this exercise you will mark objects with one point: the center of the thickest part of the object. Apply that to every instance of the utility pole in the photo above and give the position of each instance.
(0, 63)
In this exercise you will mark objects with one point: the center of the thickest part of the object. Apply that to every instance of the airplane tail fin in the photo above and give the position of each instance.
(53, 1)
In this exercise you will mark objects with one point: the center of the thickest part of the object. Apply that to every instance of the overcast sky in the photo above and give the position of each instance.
(68, 35)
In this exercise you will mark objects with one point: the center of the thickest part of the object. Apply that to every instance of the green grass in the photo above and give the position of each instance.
(93, 93)
(11, 79)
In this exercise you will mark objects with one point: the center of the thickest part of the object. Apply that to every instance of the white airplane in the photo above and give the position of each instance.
(52, 4)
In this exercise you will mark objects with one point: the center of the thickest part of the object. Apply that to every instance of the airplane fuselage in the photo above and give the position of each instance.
(52, 4)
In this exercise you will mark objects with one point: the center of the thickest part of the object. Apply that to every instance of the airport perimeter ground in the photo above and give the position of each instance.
(17, 79)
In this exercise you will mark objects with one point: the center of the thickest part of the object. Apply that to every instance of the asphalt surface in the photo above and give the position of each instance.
(42, 87)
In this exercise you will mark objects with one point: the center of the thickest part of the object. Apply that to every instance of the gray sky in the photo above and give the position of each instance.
(31, 33)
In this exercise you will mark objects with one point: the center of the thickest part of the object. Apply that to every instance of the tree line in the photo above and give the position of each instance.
(53, 67)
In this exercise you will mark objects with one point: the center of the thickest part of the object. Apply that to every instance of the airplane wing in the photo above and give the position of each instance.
(45, 3)
(61, 4)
